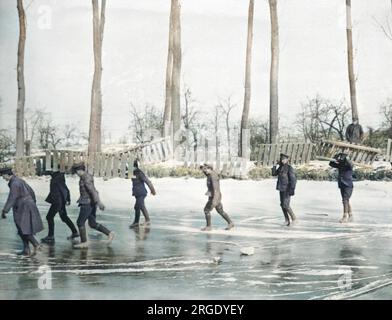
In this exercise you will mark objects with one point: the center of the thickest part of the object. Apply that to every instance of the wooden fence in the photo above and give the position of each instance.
(108, 165)
(299, 153)
(388, 153)
(233, 167)
(357, 153)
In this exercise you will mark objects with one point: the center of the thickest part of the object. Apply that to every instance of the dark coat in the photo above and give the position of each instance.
(213, 186)
(23, 203)
(88, 193)
(59, 192)
(287, 179)
(345, 168)
(139, 182)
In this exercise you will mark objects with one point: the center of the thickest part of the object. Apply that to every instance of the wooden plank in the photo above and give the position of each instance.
(155, 148)
(266, 154)
(31, 166)
(159, 148)
(123, 165)
(283, 148)
(261, 155)
(388, 156)
(130, 159)
(71, 161)
(108, 167)
(63, 160)
(300, 150)
(55, 160)
(305, 154)
(116, 163)
(48, 161)
(290, 150)
(272, 158)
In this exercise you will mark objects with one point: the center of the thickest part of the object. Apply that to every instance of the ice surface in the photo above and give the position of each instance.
(175, 260)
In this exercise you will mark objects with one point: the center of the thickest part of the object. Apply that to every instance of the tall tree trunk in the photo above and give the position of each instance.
(228, 135)
(245, 111)
(169, 74)
(274, 106)
(175, 96)
(350, 58)
(95, 133)
(20, 110)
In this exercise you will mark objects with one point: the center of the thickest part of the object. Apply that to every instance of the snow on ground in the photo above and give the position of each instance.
(318, 258)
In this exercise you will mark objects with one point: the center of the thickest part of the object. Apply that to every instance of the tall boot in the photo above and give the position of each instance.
(26, 248)
(71, 226)
(208, 222)
(135, 223)
(83, 238)
(345, 213)
(35, 244)
(350, 213)
(49, 239)
(106, 231)
(286, 217)
(225, 216)
(292, 215)
(147, 221)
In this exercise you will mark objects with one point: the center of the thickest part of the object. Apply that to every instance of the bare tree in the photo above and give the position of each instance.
(146, 122)
(190, 118)
(226, 107)
(71, 135)
(169, 76)
(176, 76)
(274, 71)
(245, 112)
(386, 114)
(386, 27)
(21, 84)
(259, 134)
(322, 119)
(7, 143)
(350, 59)
(33, 118)
(95, 132)
(48, 135)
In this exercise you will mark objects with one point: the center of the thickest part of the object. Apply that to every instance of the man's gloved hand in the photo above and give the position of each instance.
(3, 214)
(291, 192)
(101, 206)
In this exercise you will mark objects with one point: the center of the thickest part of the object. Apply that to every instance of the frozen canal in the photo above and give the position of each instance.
(318, 258)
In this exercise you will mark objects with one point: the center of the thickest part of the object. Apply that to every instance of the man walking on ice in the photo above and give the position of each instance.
(345, 183)
(214, 198)
(59, 196)
(26, 215)
(139, 191)
(88, 202)
(286, 184)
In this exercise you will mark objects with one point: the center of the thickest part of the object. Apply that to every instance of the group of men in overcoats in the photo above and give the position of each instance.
(28, 221)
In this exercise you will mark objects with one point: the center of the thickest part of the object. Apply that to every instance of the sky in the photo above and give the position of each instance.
(59, 56)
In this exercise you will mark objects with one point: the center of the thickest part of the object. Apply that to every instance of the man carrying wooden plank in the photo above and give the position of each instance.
(27, 219)
(345, 183)
(214, 198)
(88, 202)
(286, 184)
